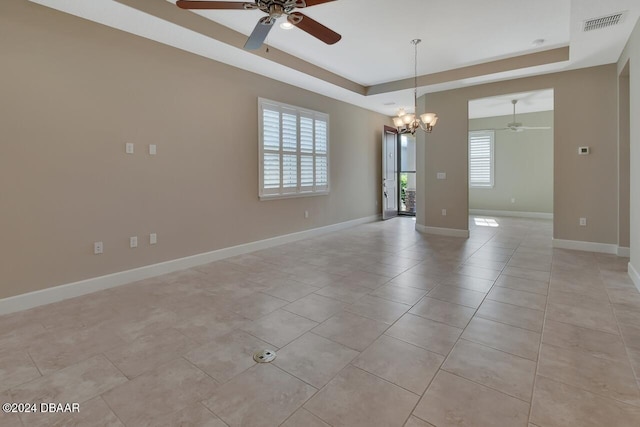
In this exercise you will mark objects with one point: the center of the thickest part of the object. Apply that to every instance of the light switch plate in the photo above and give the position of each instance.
(152, 149)
(441, 175)
(153, 238)
(128, 147)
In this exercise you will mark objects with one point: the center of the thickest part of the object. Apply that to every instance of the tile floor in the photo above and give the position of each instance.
(374, 326)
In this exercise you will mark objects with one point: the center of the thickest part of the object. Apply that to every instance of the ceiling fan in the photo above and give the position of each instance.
(517, 127)
(274, 9)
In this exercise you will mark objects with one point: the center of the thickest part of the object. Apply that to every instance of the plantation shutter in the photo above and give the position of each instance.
(481, 159)
(294, 151)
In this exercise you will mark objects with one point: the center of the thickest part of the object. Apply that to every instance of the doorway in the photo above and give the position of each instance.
(511, 143)
(398, 174)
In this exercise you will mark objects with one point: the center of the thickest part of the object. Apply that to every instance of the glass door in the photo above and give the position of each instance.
(407, 175)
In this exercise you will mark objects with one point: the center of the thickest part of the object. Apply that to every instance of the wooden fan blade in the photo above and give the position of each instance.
(187, 4)
(260, 33)
(310, 3)
(314, 28)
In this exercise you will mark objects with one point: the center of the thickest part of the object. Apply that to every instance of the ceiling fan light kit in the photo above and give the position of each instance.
(275, 9)
(408, 123)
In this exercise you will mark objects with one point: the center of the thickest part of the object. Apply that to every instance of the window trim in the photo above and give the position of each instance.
(492, 159)
(299, 191)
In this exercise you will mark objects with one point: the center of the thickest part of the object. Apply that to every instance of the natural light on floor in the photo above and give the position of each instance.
(486, 222)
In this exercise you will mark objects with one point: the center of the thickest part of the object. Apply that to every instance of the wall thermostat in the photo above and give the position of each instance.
(583, 151)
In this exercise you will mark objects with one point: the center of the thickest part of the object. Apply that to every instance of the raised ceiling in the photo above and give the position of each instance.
(528, 102)
(465, 42)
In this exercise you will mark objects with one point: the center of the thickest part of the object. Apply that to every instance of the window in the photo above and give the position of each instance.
(294, 151)
(481, 159)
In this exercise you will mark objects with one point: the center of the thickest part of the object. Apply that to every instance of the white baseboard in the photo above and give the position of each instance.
(517, 214)
(635, 277)
(625, 252)
(451, 232)
(70, 290)
(603, 248)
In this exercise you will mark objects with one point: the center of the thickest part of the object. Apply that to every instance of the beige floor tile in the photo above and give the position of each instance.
(526, 273)
(149, 351)
(369, 280)
(600, 320)
(195, 415)
(356, 398)
(315, 307)
(378, 309)
(607, 378)
(264, 395)
(8, 419)
(520, 298)
(468, 282)
(93, 413)
(517, 341)
(512, 315)
(304, 418)
(142, 320)
(596, 343)
(401, 363)
(631, 335)
(16, 367)
(626, 314)
(77, 383)
(443, 311)
(433, 336)
(257, 305)
(501, 371)
(560, 405)
(167, 389)
(289, 290)
(482, 273)
(227, 355)
(417, 422)
(401, 294)
(457, 295)
(280, 327)
(521, 284)
(454, 401)
(22, 336)
(344, 292)
(354, 331)
(485, 263)
(210, 324)
(415, 281)
(314, 359)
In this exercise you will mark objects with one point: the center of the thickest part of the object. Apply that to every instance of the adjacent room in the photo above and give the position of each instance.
(320, 213)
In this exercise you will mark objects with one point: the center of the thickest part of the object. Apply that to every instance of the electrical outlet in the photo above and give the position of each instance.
(97, 248)
(153, 238)
(513, 200)
(128, 148)
(133, 241)
(306, 214)
(583, 222)
(444, 212)
(153, 149)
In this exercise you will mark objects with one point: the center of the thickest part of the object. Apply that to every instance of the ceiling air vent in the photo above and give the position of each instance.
(603, 21)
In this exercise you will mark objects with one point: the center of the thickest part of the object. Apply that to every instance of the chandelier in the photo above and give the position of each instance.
(409, 123)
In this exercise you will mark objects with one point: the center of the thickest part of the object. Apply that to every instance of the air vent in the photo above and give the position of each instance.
(603, 21)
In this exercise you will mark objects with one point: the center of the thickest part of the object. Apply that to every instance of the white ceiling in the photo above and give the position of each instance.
(528, 102)
(375, 44)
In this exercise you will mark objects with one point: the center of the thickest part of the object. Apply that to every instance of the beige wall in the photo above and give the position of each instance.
(631, 55)
(584, 186)
(73, 92)
(523, 166)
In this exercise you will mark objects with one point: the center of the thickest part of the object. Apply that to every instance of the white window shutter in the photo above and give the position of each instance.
(294, 151)
(481, 146)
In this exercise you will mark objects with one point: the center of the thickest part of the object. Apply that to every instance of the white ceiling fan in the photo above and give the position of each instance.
(518, 127)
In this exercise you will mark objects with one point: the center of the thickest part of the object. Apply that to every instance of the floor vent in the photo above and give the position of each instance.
(603, 21)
